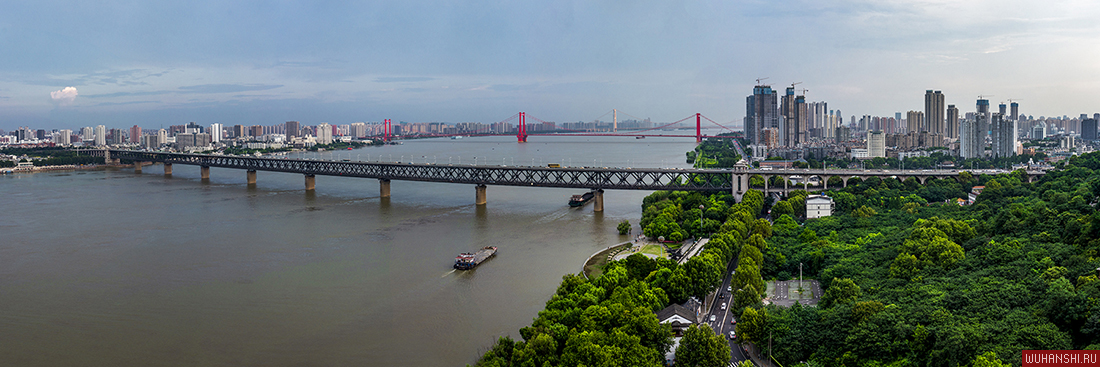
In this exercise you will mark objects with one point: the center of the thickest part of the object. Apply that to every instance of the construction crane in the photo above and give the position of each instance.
(984, 96)
(1013, 100)
(758, 80)
(794, 84)
(804, 90)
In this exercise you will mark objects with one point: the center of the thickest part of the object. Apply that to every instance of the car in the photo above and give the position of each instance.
(712, 318)
(733, 321)
(723, 305)
(733, 335)
(729, 288)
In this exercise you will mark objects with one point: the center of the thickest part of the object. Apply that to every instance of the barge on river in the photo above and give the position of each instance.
(469, 260)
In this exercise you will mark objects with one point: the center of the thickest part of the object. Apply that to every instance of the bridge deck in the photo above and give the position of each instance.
(567, 177)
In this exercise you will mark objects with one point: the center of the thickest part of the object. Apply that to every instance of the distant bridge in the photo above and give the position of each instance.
(735, 180)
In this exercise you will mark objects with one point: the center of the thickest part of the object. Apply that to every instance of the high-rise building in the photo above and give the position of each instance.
(1088, 129)
(100, 135)
(951, 128)
(63, 137)
(1039, 131)
(760, 113)
(217, 131)
(293, 129)
(1004, 136)
(1015, 108)
(793, 110)
(256, 130)
(358, 130)
(87, 133)
(876, 144)
(1003, 109)
(982, 119)
(913, 121)
(193, 128)
(933, 112)
(324, 133)
(135, 134)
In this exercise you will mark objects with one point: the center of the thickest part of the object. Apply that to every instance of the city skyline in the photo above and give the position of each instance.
(74, 64)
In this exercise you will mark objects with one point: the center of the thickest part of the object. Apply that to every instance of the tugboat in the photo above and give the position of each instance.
(468, 260)
(580, 200)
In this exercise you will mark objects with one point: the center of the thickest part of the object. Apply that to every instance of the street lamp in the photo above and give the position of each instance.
(700, 221)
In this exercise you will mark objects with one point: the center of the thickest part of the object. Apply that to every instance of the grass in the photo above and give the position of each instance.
(595, 265)
(653, 250)
(770, 289)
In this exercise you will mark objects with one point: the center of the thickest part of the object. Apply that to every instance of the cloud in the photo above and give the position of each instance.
(402, 79)
(64, 97)
(226, 88)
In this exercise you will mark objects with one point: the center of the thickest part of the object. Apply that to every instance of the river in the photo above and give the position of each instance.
(109, 267)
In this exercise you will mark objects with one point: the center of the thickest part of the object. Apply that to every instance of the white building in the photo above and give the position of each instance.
(100, 135)
(860, 153)
(818, 206)
(876, 144)
(64, 137)
(216, 131)
(324, 133)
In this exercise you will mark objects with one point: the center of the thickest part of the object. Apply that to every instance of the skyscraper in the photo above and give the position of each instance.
(1004, 135)
(135, 134)
(1015, 111)
(793, 110)
(100, 135)
(760, 112)
(293, 129)
(981, 119)
(933, 112)
(324, 133)
(951, 128)
(1088, 129)
(913, 121)
(216, 132)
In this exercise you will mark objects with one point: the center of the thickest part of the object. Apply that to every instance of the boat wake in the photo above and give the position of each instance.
(447, 273)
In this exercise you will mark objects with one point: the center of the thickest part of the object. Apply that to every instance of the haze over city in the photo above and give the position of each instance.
(73, 64)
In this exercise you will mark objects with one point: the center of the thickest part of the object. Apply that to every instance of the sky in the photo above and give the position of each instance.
(68, 64)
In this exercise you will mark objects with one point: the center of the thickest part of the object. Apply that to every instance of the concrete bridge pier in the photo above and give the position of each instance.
(251, 176)
(383, 188)
(598, 206)
(137, 166)
(204, 172)
(480, 197)
(311, 182)
(167, 169)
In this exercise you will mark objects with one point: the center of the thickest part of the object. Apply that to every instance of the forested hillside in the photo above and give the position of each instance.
(910, 280)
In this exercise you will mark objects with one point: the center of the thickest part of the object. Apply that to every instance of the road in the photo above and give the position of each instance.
(724, 322)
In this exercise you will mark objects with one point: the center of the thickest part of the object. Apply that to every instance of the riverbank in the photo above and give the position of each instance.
(593, 266)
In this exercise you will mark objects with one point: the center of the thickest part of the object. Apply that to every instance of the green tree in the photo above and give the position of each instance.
(701, 347)
(841, 291)
(624, 227)
(989, 359)
(751, 325)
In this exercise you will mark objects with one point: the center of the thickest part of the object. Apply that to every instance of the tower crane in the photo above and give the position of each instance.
(758, 80)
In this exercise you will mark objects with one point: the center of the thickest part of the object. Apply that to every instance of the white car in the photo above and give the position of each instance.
(723, 306)
(712, 318)
(733, 335)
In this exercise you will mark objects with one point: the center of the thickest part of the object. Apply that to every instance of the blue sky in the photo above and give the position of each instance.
(163, 63)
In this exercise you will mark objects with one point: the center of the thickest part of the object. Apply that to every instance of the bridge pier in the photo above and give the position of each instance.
(251, 176)
(598, 206)
(479, 195)
(383, 188)
(137, 166)
(311, 182)
(167, 169)
(204, 172)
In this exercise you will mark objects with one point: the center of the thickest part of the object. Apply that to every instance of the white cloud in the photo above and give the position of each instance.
(64, 97)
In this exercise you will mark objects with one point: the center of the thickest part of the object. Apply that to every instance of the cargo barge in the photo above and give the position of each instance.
(468, 260)
(580, 200)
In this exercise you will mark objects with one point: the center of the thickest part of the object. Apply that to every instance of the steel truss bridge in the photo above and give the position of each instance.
(735, 180)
